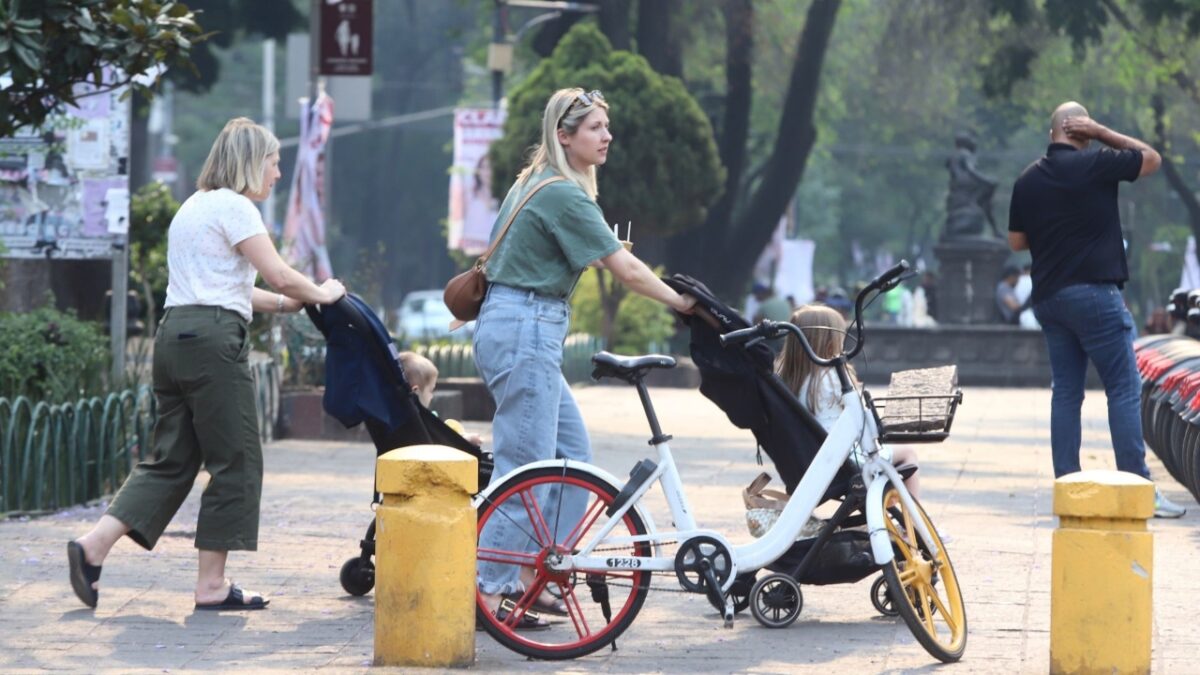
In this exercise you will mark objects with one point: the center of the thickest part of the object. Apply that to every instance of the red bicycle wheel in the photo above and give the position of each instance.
(546, 513)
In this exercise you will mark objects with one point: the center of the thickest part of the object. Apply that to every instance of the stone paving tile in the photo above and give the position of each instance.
(989, 488)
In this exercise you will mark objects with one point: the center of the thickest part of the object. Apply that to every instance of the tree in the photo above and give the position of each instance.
(723, 251)
(50, 46)
(225, 22)
(662, 172)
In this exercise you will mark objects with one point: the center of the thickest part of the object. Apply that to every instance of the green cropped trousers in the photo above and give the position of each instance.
(207, 417)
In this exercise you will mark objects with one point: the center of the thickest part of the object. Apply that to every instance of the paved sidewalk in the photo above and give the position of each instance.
(989, 487)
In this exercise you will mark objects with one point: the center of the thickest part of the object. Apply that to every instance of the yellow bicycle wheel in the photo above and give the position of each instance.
(923, 587)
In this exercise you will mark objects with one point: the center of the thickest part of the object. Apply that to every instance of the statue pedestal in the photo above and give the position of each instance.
(968, 272)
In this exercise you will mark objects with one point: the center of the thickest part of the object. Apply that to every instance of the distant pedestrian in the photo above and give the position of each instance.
(1024, 292)
(1064, 211)
(204, 394)
(929, 285)
(1008, 306)
(771, 307)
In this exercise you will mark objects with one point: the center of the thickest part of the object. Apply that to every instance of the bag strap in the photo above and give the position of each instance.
(511, 217)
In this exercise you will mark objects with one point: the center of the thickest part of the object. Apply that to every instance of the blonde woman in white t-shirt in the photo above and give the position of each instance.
(216, 246)
(817, 387)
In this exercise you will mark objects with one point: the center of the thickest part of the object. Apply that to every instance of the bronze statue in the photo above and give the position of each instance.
(969, 201)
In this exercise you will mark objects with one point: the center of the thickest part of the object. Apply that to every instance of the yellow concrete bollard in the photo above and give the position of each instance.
(425, 558)
(1101, 581)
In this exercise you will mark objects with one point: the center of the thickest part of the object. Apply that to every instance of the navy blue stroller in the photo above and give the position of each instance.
(364, 384)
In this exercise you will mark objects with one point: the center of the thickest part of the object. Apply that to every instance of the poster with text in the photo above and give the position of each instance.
(55, 181)
(472, 207)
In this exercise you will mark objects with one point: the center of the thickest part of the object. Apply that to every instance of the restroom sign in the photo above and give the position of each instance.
(345, 37)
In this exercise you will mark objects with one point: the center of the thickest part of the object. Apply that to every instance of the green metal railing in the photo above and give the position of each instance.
(457, 360)
(267, 378)
(54, 456)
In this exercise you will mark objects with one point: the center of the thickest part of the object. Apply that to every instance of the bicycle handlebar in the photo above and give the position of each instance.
(769, 329)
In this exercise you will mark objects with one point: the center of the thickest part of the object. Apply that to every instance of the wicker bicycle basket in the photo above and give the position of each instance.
(919, 406)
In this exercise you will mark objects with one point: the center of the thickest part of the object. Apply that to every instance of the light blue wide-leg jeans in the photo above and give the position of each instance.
(518, 349)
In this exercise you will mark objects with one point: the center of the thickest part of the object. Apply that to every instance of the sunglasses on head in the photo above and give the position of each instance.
(584, 98)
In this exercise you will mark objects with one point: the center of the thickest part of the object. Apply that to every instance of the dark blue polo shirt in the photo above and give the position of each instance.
(1066, 204)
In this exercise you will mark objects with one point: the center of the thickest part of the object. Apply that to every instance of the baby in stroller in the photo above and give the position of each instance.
(366, 384)
(422, 374)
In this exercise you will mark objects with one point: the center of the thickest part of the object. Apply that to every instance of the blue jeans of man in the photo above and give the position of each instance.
(518, 347)
(1082, 322)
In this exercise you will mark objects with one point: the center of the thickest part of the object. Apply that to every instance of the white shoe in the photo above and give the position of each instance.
(1165, 508)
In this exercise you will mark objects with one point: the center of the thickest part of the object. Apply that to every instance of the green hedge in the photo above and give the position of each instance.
(457, 360)
(48, 355)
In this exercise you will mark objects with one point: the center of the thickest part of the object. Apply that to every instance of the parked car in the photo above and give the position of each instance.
(424, 316)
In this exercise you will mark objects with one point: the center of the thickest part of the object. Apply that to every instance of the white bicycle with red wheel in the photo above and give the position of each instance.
(600, 564)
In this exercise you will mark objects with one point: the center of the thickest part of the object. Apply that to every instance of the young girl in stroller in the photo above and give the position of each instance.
(816, 387)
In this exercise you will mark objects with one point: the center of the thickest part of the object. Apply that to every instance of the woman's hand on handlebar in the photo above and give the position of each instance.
(333, 290)
(686, 304)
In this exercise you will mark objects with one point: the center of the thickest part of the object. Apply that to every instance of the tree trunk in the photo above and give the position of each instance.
(613, 18)
(728, 253)
(1174, 178)
(139, 143)
(685, 248)
(659, 38)
(611, 294)
(614, 23)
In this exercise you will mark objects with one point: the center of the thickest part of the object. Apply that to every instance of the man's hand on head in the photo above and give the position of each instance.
(1081, 128)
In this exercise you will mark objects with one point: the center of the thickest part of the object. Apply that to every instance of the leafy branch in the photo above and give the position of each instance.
(47, 47)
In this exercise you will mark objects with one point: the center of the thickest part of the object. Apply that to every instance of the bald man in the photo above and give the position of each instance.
(1064, 211)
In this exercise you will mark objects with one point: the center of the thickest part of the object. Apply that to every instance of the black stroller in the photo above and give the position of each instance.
(741, 380)
(364, 383)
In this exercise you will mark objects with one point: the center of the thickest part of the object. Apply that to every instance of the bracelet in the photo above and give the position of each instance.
(279, 303)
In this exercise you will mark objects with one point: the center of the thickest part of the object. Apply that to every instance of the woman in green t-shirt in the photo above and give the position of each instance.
(519, 335)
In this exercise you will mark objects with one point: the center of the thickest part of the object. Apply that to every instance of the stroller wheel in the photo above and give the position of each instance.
(358, 576)
(881, 599)
(776, 601)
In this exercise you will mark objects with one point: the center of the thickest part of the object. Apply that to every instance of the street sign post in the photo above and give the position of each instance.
(345, 45)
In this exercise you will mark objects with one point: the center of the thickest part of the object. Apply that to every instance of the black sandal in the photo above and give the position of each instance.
(83, 575)
(556, 607)
(236, 600)
(530, 621)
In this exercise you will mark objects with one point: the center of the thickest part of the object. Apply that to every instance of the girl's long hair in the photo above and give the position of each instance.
(564, 110)
(825, 330)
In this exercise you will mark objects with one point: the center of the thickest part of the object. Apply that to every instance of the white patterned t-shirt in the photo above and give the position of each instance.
(203, 267)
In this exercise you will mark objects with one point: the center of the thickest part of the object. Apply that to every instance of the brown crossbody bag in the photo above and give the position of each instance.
(465, 292)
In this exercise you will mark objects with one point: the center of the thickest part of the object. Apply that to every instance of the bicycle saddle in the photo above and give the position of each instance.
(628, 368)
